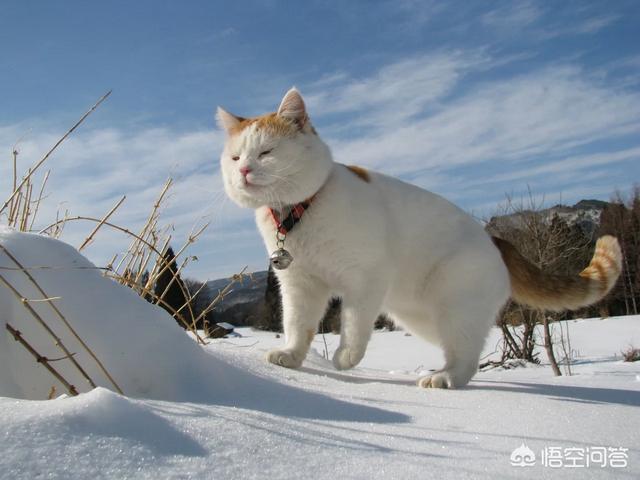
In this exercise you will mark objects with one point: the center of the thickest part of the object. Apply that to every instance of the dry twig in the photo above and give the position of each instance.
(40, 320)
(17, 335)
(89, 239)
(63, 319)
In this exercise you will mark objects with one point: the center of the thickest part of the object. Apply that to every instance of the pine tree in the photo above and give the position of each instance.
(270, 316)
(169, 290)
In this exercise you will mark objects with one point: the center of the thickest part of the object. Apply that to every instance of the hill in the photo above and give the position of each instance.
(243, 303)
(585, 214)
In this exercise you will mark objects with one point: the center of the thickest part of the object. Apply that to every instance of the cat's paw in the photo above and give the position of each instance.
(285, 358)
(346, 358)
(437, 380)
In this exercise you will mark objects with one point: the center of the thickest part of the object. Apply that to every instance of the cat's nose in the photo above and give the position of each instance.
(245, 171)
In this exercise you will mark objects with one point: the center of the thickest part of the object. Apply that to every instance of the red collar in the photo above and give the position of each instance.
(295, 214)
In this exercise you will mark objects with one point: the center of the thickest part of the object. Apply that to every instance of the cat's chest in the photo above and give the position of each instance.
(313, 244)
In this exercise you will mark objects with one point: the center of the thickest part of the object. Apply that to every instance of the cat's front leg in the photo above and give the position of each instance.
(359, 313)
(304, 301)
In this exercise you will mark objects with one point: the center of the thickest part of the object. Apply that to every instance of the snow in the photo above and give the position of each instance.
(134, 339)
(222, 412)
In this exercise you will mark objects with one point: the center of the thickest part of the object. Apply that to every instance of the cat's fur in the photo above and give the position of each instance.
(383, 245)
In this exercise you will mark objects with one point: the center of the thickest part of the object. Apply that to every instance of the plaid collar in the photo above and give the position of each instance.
(284, 226)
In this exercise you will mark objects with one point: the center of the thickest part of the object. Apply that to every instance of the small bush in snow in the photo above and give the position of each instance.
(631, 354)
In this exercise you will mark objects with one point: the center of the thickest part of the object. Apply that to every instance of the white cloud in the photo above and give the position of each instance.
(514, 15)
(577, 166)
(594, 25)
(397, 91)
(533, 20)
(547, 112)
(573, 27)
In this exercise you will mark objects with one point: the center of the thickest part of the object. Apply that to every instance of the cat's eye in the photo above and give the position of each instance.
(266, 152)
(235, 158)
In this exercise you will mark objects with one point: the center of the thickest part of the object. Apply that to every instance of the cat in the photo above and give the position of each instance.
(381, 245)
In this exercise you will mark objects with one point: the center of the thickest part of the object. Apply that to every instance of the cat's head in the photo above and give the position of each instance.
(276, 159)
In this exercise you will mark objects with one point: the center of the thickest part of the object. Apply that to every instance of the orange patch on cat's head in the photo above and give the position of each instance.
(271, 123)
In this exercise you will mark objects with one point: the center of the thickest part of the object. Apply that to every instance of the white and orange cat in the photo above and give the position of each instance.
(382, 245)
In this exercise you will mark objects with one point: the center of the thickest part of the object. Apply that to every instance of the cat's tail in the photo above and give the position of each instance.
(531, 286)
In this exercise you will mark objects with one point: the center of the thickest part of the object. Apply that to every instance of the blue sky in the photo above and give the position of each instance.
(473, 100)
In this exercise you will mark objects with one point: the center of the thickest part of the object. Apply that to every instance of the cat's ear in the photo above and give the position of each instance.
(227, 121)
(292, 107)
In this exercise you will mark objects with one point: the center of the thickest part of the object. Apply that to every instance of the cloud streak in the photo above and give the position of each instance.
(397, 91)
(515, 15)
(545, 114)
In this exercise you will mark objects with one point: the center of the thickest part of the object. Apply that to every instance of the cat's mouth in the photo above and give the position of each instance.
(250, 192)
(250, 184)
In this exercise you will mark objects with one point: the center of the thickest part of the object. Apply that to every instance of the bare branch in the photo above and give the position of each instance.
(17, 335)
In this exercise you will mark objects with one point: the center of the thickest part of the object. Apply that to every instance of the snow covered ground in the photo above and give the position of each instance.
(225, 413)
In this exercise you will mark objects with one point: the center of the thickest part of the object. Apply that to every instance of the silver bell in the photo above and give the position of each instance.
(281, 259)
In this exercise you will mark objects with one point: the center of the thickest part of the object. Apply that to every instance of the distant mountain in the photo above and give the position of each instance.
(250, 290)
(585, 214)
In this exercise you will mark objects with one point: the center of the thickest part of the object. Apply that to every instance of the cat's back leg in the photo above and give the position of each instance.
(461, 303)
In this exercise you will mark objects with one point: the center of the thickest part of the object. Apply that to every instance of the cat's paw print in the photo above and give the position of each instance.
(346, 358)
(285, 358)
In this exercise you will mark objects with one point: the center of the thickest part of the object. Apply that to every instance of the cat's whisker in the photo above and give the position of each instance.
(285, 184)
(274, 200)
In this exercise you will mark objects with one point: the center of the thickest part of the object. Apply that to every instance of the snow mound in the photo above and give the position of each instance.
(93, 418)
(140, 344)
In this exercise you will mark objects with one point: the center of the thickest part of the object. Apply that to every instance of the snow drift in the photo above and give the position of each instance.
(140, 345)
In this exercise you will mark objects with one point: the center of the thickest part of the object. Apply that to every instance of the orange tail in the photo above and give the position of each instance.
(531, 286)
